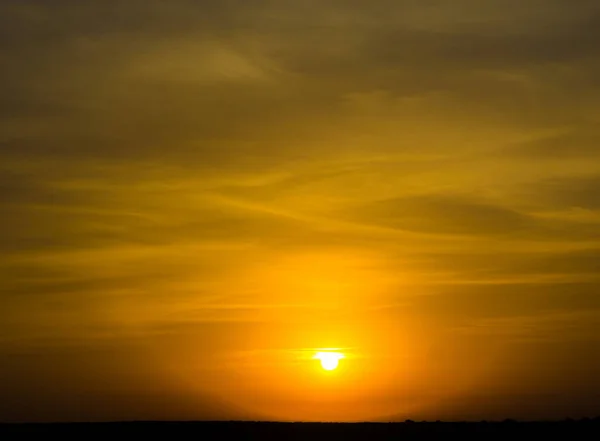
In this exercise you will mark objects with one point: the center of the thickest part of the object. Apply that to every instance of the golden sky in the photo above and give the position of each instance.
(196, 196)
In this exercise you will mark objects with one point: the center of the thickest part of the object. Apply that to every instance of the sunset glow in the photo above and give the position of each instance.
(299, 210)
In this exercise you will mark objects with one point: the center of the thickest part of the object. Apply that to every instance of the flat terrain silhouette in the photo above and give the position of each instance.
(265, 431)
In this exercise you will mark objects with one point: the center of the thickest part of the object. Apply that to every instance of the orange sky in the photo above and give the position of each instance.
(197, 196)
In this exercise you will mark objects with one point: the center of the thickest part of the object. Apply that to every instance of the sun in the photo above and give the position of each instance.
(329, 360)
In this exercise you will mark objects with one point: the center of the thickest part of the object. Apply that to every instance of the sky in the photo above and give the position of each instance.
(197, 195)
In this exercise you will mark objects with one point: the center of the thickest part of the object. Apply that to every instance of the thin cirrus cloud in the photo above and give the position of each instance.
(158, 158)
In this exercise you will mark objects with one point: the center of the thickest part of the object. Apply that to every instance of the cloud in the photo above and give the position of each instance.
(189, 169)
(576, 141)
(442, 214)
(581, 192)
(569, 326)
(443, 306)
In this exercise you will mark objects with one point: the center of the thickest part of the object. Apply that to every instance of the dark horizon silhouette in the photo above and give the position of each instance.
(409, 430)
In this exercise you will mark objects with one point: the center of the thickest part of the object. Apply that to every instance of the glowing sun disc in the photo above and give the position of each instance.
(329, 360)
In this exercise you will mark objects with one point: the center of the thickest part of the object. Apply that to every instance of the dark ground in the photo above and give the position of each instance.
(585, 429)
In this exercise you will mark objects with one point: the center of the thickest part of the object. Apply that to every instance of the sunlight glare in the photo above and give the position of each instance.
(329, 360)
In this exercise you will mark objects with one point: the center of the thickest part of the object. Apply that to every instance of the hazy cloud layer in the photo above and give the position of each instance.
(214, 156)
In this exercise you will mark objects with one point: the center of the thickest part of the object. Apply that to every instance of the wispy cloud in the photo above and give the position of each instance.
(206, 169)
